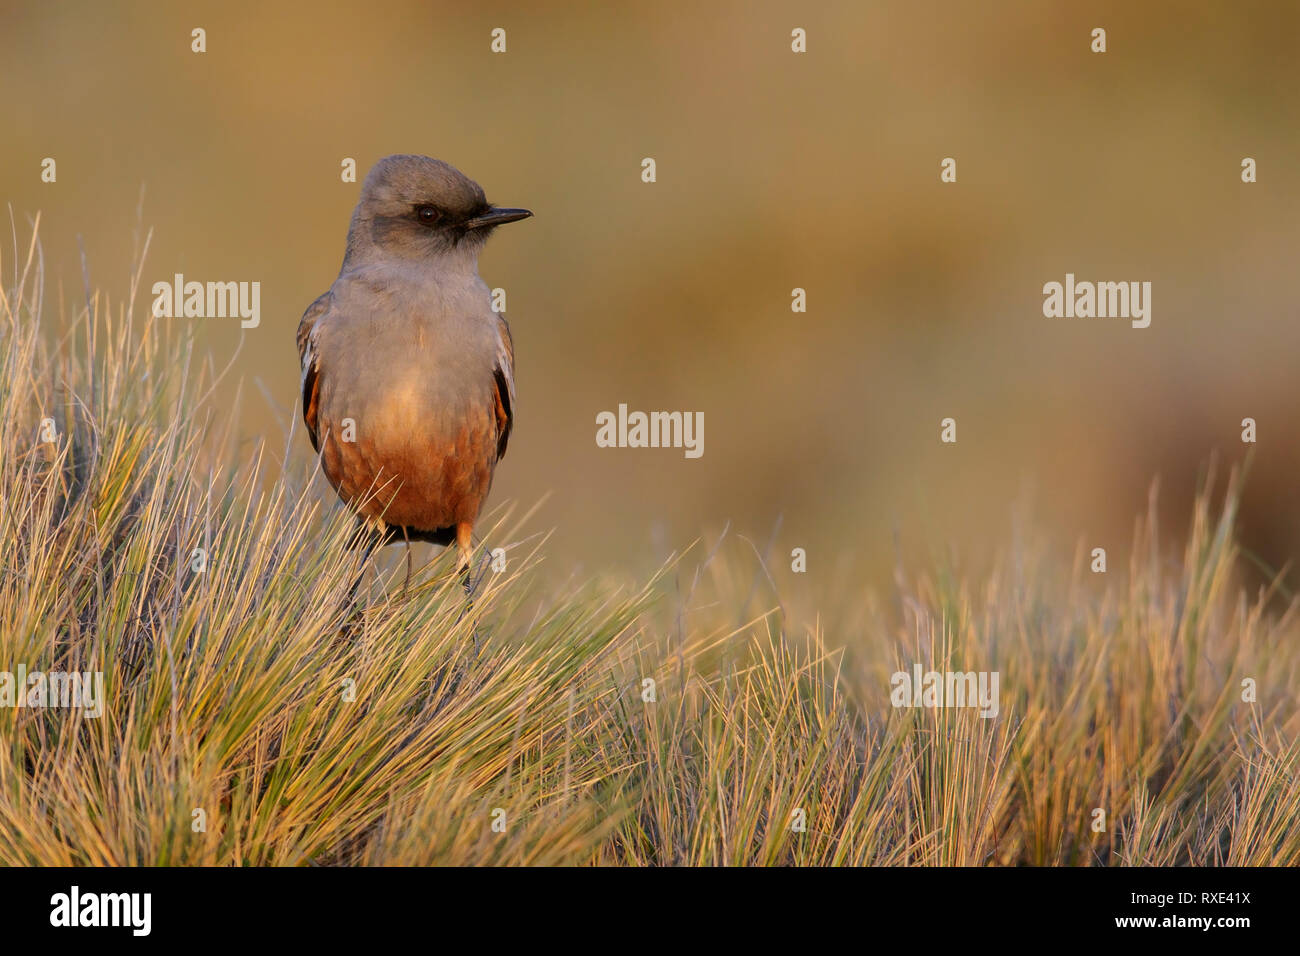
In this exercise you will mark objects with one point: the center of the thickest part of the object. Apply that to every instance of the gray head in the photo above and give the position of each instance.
(414, 207)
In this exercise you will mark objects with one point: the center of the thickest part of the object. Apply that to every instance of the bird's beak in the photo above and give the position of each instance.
(496, 217)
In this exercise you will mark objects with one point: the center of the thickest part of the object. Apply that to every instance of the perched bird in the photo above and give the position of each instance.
(408, 383)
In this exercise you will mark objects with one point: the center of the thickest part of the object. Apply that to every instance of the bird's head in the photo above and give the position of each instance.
(415, 207)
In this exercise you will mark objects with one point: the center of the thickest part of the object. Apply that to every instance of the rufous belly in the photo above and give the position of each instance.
(423, 482)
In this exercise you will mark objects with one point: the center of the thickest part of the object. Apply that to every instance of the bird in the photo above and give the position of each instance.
(408, 373)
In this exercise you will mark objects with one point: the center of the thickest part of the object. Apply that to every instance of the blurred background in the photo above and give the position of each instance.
(775, 171)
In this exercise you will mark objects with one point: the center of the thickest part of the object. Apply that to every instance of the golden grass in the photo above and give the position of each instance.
(245, 695)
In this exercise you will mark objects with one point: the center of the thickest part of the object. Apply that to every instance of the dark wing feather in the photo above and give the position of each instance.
(504, 386)
(310, 366)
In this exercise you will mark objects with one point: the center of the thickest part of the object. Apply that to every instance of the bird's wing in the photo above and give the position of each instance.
(307, 356)
(504, 385)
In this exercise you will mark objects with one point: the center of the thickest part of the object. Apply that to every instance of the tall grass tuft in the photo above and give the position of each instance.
(253, 715)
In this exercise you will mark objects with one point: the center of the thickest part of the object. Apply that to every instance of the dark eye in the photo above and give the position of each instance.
(427, 214)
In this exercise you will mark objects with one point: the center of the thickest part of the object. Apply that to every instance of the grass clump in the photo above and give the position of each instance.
(251, 718)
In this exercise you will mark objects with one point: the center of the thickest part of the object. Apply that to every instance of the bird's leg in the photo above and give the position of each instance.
(366, 551)
(465, 567)
(371, 540)
(407, 537)
(465, 554)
